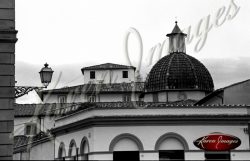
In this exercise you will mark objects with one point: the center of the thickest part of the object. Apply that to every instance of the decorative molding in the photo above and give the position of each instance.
(126, 136)
(176, 136)
(152, 121)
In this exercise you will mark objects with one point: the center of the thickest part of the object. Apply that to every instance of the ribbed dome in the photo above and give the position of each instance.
(179, 71)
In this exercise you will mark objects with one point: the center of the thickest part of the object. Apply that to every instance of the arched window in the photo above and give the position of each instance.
(126, 147)
(61, 151)
(84, 149)
(171, 146)
(72, 150)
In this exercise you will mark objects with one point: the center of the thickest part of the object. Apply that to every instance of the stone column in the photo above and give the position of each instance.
(7, 77)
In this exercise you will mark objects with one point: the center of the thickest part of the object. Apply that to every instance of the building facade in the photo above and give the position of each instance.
(114, 116)
(7, 76)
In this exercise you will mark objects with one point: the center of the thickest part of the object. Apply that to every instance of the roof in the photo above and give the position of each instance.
(21, 141)
(100, 88)
(119, 105)
(25, 110)
(179, 71)
(108, 66)
(218, 91)
(211, 95)
(176, 30)
(234, 84)
(29, 110)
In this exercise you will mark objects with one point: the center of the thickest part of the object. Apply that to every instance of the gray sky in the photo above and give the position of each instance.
(71, 34)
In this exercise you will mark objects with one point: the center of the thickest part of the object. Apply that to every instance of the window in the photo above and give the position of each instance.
(62, 99)
(92, 74)
(141, 99)
(72, 150)
(155, 97)
(124, 74)
(91, 98)
(30, 129)
(84, 149)
(127, 98)
(61, 151)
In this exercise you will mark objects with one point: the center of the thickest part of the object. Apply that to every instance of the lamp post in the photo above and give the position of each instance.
(45, 76)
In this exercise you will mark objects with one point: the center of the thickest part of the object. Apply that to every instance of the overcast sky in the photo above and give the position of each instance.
(71, 34)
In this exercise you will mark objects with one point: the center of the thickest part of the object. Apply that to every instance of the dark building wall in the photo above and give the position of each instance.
(7, 76)
(238, 94)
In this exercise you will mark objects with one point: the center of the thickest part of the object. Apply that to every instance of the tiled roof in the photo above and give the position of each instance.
(21, 141)
(179, 71)
(108, 66)
(119, 105)
(142, 104)
(28, 110)
(25, 110)
(100, 88)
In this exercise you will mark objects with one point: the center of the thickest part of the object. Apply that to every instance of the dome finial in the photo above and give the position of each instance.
(176, 22)
(46, 65)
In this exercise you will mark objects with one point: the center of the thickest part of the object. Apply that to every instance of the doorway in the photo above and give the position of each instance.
(176, 155)
(217, 156)
(126, 156)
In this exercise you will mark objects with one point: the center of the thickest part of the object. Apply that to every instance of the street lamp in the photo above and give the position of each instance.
(45, 76)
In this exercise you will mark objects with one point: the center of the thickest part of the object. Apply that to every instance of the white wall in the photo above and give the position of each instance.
(77, 136)
(104, 135)
(240, 156)
(195, 155)
(101, 137)
(43, 151)
(47, 123)
(109, 76)
(17, 156)
(19, 124)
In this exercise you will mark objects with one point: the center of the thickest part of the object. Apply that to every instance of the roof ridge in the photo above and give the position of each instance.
(234, 84)
(109, 63)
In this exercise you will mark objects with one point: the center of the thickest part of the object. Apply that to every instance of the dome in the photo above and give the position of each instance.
(179, 71)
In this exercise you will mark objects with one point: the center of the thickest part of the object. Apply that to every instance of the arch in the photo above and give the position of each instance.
(72, 147)
(126, 136)
(171, 135)
(61, 150)
(84, 148)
